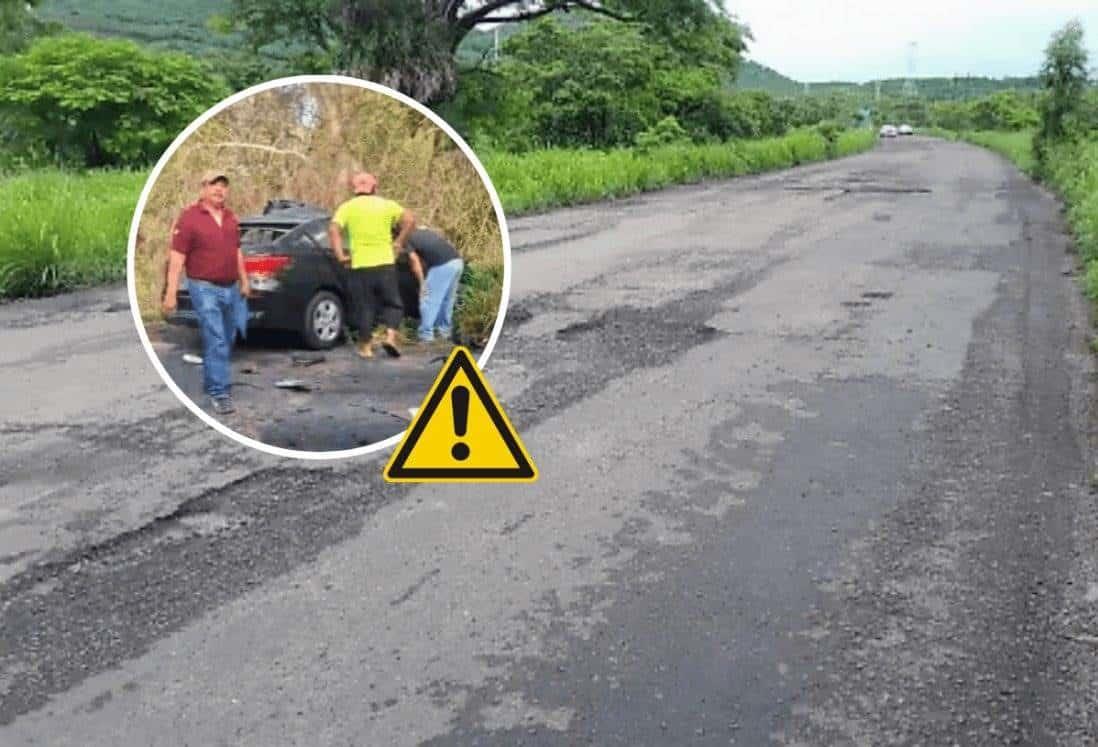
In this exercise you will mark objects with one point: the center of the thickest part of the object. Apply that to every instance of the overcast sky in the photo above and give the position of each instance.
(859, 40)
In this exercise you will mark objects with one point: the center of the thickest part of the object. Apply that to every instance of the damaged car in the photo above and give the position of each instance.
(297, 284)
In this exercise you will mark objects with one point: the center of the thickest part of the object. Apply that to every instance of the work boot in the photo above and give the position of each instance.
(365, 349)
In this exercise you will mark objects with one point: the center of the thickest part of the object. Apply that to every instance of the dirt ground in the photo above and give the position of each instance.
(349, 402)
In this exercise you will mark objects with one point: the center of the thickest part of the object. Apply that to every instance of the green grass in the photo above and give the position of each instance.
(1017, 146)
(60, 230)
(855, 141)
(549, 178)
(1072, 169)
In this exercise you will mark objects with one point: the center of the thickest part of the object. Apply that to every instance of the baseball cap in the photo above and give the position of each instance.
(212, 176)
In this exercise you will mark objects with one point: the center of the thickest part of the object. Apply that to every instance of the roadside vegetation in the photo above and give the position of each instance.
(538, 180)
(61, 229)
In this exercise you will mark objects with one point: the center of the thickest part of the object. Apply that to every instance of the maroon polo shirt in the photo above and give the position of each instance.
(210, 249)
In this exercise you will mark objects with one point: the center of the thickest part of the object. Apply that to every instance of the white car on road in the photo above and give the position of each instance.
(888, 131)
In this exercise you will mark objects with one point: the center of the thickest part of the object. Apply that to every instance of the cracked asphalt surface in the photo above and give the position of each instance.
(816, 468)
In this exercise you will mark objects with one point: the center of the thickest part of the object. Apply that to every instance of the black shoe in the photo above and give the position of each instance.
(223, 405)
(390, 349)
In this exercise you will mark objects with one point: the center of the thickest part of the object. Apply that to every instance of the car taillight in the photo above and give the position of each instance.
(266, 264)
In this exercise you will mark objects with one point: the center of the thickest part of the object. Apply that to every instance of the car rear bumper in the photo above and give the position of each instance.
(259, 312)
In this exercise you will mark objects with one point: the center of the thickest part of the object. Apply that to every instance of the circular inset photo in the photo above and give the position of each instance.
(305, 256)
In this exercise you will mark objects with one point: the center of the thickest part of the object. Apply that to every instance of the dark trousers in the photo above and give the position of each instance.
(376, 295)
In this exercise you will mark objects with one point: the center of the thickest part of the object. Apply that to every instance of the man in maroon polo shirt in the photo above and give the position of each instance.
(206, 245)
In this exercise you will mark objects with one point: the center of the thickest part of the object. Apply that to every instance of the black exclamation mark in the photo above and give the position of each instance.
(459, 398)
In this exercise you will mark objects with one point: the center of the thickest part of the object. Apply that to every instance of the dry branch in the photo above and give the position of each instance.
(256, 146)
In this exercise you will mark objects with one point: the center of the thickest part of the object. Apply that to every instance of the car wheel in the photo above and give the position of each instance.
(324, 319)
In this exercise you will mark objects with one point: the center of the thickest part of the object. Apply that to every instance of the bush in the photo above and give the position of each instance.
(830, 131)
(97, 102)
(665, 132)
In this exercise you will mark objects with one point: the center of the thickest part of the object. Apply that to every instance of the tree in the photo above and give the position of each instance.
(18, 26)
(590, 87)
(1064, 76)
(409, 45)
(103, 102)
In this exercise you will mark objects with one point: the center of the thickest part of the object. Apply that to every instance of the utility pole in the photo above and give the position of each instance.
(909, 82)
(495, 44)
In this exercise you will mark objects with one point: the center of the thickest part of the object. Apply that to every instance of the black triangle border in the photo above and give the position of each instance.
(523, 470)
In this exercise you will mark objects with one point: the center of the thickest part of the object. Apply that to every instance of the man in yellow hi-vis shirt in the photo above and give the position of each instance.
(369, 221)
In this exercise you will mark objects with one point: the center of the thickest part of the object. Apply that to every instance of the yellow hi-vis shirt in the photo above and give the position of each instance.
(368, 221)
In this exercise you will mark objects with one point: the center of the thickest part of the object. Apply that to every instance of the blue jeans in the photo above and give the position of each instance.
(215, 307)
(436, 300)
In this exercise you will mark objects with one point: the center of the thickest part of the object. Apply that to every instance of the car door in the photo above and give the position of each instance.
(332, 274)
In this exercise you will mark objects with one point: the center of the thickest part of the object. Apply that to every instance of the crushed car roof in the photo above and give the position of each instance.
(286, 212)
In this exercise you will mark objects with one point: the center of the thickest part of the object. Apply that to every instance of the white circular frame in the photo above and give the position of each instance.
(132, 250)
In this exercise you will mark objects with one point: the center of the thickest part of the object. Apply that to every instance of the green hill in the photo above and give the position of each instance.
(179, 25)
(934, 89)
(755, 76)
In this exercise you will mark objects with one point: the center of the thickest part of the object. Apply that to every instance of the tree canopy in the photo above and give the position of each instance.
(102, 102)
(409, 44)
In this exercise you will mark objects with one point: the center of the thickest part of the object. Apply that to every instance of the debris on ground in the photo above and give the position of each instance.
(307, 359)
(296, 385)
(192, 358)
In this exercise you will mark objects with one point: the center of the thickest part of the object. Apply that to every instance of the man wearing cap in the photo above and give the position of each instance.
(206, 244)
(369, 221)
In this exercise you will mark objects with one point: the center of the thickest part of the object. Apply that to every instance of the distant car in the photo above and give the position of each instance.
(888, 131)
(906, 129)
(297, 284)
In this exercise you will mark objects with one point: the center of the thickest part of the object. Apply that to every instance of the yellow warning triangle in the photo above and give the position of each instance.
(460, 433)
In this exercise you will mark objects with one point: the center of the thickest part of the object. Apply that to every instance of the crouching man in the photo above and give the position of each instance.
(206, 245)
(437, 266)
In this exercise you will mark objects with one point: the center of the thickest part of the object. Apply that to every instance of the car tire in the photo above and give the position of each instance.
(325, 316)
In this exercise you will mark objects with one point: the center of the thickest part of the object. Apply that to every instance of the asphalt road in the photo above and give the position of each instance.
(815, 469)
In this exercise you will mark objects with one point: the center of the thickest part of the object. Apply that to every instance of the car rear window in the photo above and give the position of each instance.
(312, 235)
(260, 235)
